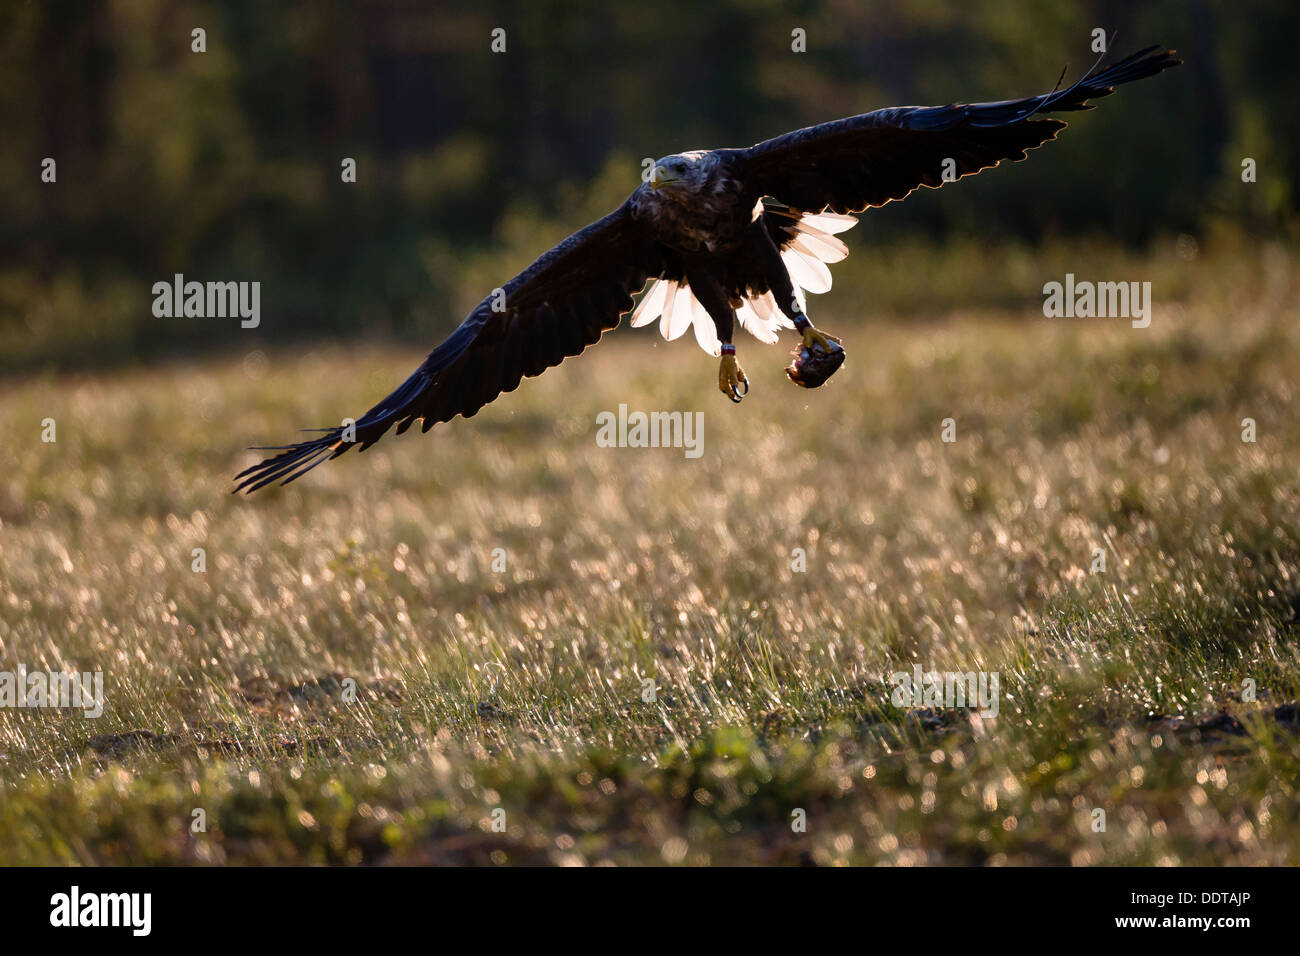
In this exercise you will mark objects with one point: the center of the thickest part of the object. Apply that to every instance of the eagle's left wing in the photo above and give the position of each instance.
(852, 164)
(555, 308)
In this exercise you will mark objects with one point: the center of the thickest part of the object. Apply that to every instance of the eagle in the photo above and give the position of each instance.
(725, 236)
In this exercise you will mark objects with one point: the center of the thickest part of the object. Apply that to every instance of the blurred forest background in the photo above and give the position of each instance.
(225, 165)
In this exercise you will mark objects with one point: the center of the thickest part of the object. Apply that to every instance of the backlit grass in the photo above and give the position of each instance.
(523, 690)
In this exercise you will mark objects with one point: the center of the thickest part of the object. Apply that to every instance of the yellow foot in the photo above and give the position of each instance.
(731, 377)
(814, 338)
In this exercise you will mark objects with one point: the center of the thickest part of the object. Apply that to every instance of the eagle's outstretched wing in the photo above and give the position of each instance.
(852, 164)
(553, 309)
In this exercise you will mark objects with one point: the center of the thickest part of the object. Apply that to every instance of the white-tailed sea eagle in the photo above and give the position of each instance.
(726, 235)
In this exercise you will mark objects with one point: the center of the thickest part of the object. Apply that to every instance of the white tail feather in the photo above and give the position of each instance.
(706, 333)
(678, 319)
(762, 329)
(670, 299)
(651, 305)
(765, 308)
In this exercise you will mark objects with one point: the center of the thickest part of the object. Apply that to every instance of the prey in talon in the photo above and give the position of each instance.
(816, 359)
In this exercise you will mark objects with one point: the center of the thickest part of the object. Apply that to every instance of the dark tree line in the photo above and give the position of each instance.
(226, 164)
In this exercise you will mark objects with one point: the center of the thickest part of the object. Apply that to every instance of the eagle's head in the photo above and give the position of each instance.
(679, 174)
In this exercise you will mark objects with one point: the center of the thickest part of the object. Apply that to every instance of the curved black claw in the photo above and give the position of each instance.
(731, 377)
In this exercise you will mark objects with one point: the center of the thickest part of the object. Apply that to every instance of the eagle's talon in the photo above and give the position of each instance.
(815, 338)
(730, 377)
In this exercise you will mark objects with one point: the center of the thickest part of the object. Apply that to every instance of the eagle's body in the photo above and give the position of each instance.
(728, 234)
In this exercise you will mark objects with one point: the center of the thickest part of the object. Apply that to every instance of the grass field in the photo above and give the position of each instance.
(523, 691)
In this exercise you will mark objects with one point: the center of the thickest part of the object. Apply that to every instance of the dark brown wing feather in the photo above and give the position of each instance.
(555, 308)
(868, 160)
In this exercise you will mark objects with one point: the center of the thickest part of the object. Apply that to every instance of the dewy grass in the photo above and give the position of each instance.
(503, 643)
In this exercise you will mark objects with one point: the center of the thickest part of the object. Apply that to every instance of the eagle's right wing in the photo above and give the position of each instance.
(555, 308)
(852, 164)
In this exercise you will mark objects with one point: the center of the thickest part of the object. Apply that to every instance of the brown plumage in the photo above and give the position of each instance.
(716, 222)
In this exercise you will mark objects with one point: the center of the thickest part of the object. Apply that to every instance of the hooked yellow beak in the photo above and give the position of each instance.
(661, 178)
